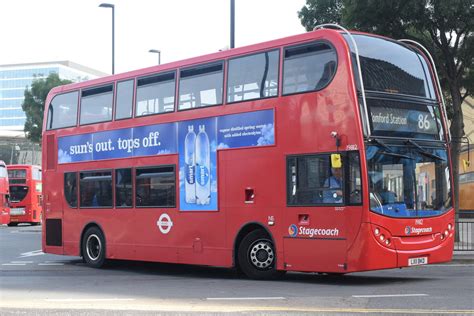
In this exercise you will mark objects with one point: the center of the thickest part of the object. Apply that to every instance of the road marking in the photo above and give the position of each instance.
(50, 264)
(88, 299)
(244, 298)
(13, 264)
(32, 253)
(389, 295)
(21, 262)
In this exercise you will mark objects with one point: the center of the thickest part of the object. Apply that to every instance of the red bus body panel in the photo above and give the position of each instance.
(303, 124)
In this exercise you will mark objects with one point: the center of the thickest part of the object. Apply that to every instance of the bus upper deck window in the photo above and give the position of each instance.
(253, 77)
(124, 100)
(308, 67)
(155, 94)
(201, 86)
(96, 105)
(62, 111)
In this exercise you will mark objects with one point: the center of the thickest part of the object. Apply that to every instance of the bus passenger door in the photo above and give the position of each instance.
(319, 189)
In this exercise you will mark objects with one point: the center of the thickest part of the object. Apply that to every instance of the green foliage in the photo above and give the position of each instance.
(319, 12)
(445, 27)
(33, 105)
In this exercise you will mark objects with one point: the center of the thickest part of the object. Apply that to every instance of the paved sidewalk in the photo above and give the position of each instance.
(463, 257)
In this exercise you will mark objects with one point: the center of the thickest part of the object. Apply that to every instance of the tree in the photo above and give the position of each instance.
(33, 105)
(444, 27)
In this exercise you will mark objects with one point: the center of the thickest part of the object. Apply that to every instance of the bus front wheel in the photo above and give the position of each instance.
(93, 247)
(257, 256)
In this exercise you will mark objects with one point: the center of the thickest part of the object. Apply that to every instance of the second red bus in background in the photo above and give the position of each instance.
(25, 194)
(4, 193)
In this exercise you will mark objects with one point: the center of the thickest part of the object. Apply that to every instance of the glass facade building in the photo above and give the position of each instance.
(14, 79)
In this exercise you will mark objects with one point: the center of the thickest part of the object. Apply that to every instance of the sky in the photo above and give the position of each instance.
(80, 31)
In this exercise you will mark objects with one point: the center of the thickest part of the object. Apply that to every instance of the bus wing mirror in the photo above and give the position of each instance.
(336, 161)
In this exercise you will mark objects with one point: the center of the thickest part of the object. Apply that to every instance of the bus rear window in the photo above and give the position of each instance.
(62, 111)
(18, 193)
(308, 67)
(17, 173)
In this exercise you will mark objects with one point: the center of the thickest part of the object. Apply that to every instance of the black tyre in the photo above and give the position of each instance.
(257, 256)
(93, 247)
(12, 224)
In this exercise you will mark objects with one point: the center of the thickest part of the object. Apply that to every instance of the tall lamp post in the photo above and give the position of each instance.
(232, 23)
(108, 5)
(156, 52)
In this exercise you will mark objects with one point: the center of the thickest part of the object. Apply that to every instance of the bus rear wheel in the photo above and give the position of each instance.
(93, 247)
(257, 256)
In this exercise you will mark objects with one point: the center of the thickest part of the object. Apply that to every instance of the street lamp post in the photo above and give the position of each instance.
(108, 5)
(232, 23)
(156, 52)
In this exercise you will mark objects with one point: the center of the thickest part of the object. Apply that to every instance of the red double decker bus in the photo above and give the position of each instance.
(316, 152)
(25, 194)
(4, 194)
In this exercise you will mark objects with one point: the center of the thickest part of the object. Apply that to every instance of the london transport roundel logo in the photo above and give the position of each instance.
(293, 230)
(164, 223)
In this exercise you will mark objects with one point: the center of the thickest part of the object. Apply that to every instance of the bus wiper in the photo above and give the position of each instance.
(395, 155)
(423, 151)
(381, 143)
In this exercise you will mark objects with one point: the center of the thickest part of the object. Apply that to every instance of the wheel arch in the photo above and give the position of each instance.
(244, 230)
(86, 227)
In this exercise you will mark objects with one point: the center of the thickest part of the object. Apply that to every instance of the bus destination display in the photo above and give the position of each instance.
(404, 121)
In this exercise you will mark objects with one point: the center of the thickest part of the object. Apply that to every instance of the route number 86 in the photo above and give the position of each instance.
(423, 122)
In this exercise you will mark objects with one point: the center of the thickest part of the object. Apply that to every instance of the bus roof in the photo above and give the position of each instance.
(225, 54)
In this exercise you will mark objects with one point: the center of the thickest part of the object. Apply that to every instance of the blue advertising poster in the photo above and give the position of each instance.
(195, 141)
(149, 140)
(246, 130)
(108, 145)
(155, 139)
(197, 147)
(75, 148)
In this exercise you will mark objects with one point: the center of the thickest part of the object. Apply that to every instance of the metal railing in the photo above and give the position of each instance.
(465, 233)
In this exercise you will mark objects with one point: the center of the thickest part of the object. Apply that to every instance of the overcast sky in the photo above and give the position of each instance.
(80, 31)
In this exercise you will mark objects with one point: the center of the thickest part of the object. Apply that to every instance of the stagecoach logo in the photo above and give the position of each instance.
(293, 230)
(308, 232)
(415, 230)
(164, 223)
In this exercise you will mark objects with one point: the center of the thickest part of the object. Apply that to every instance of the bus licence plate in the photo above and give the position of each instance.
(417, 261)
